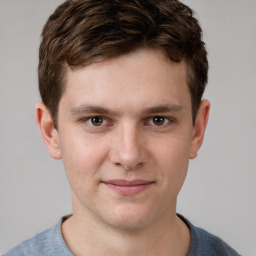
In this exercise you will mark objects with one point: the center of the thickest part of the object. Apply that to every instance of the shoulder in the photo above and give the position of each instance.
(209, 244)
(36, 245)
(48, 242)
(204, 243)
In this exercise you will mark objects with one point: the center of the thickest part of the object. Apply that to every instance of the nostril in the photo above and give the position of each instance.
(129, 167)
(139, 164)
(118, 164)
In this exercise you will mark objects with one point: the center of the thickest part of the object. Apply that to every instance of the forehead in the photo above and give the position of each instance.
(132, 80)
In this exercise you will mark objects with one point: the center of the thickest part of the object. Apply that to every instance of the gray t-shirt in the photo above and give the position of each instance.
(51, 243)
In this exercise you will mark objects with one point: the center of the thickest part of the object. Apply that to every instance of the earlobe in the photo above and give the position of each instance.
(49, 134)
(200, 127)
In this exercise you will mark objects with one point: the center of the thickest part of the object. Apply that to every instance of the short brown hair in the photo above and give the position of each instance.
(81, 32)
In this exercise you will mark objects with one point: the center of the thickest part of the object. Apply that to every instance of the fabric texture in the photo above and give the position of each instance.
(51, 243)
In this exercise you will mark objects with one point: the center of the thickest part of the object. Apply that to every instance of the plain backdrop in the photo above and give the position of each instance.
(220, 191)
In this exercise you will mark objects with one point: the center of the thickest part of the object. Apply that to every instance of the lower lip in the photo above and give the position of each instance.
(128, 190)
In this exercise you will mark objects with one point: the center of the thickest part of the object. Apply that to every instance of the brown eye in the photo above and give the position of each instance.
(159, 120)
(96, 121)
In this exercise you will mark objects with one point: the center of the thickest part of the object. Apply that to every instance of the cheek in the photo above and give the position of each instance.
(82, 158)
(172, 158)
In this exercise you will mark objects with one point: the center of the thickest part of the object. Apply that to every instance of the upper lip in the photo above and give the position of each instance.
(128, 182)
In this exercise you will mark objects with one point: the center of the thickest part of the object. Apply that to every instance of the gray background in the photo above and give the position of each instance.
(219, 193)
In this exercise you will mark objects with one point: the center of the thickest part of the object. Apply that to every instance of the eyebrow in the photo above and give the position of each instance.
(89, 109)
(162, 109)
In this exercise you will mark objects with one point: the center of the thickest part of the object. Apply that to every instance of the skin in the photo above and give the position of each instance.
(125, 142)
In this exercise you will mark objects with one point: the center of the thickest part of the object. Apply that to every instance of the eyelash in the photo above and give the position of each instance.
(149, 121)
(89, 121)
(167, 120)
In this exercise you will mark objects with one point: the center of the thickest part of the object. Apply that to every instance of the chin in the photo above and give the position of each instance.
(130, 219)
(126, 224)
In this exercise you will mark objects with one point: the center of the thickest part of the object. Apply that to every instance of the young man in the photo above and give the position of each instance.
(121, 85)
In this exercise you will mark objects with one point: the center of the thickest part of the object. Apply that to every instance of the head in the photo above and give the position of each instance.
(82, 32)
(121, 83)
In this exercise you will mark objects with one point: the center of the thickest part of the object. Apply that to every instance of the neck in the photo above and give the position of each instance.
(85, 236)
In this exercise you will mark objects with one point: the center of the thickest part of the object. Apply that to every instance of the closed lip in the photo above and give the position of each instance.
(128, 182)
(128, 187)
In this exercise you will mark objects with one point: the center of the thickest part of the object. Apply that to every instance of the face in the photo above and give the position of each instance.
(125, 135)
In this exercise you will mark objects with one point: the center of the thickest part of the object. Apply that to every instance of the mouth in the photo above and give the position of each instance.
(128, 188)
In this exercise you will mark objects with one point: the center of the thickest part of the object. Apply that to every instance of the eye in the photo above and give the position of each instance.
(159, 120)
(97, 121)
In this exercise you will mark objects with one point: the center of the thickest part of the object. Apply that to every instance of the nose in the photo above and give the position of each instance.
(128, 148)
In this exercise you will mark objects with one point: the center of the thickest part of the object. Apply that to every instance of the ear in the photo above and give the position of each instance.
(199, 127)
(49, 134)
